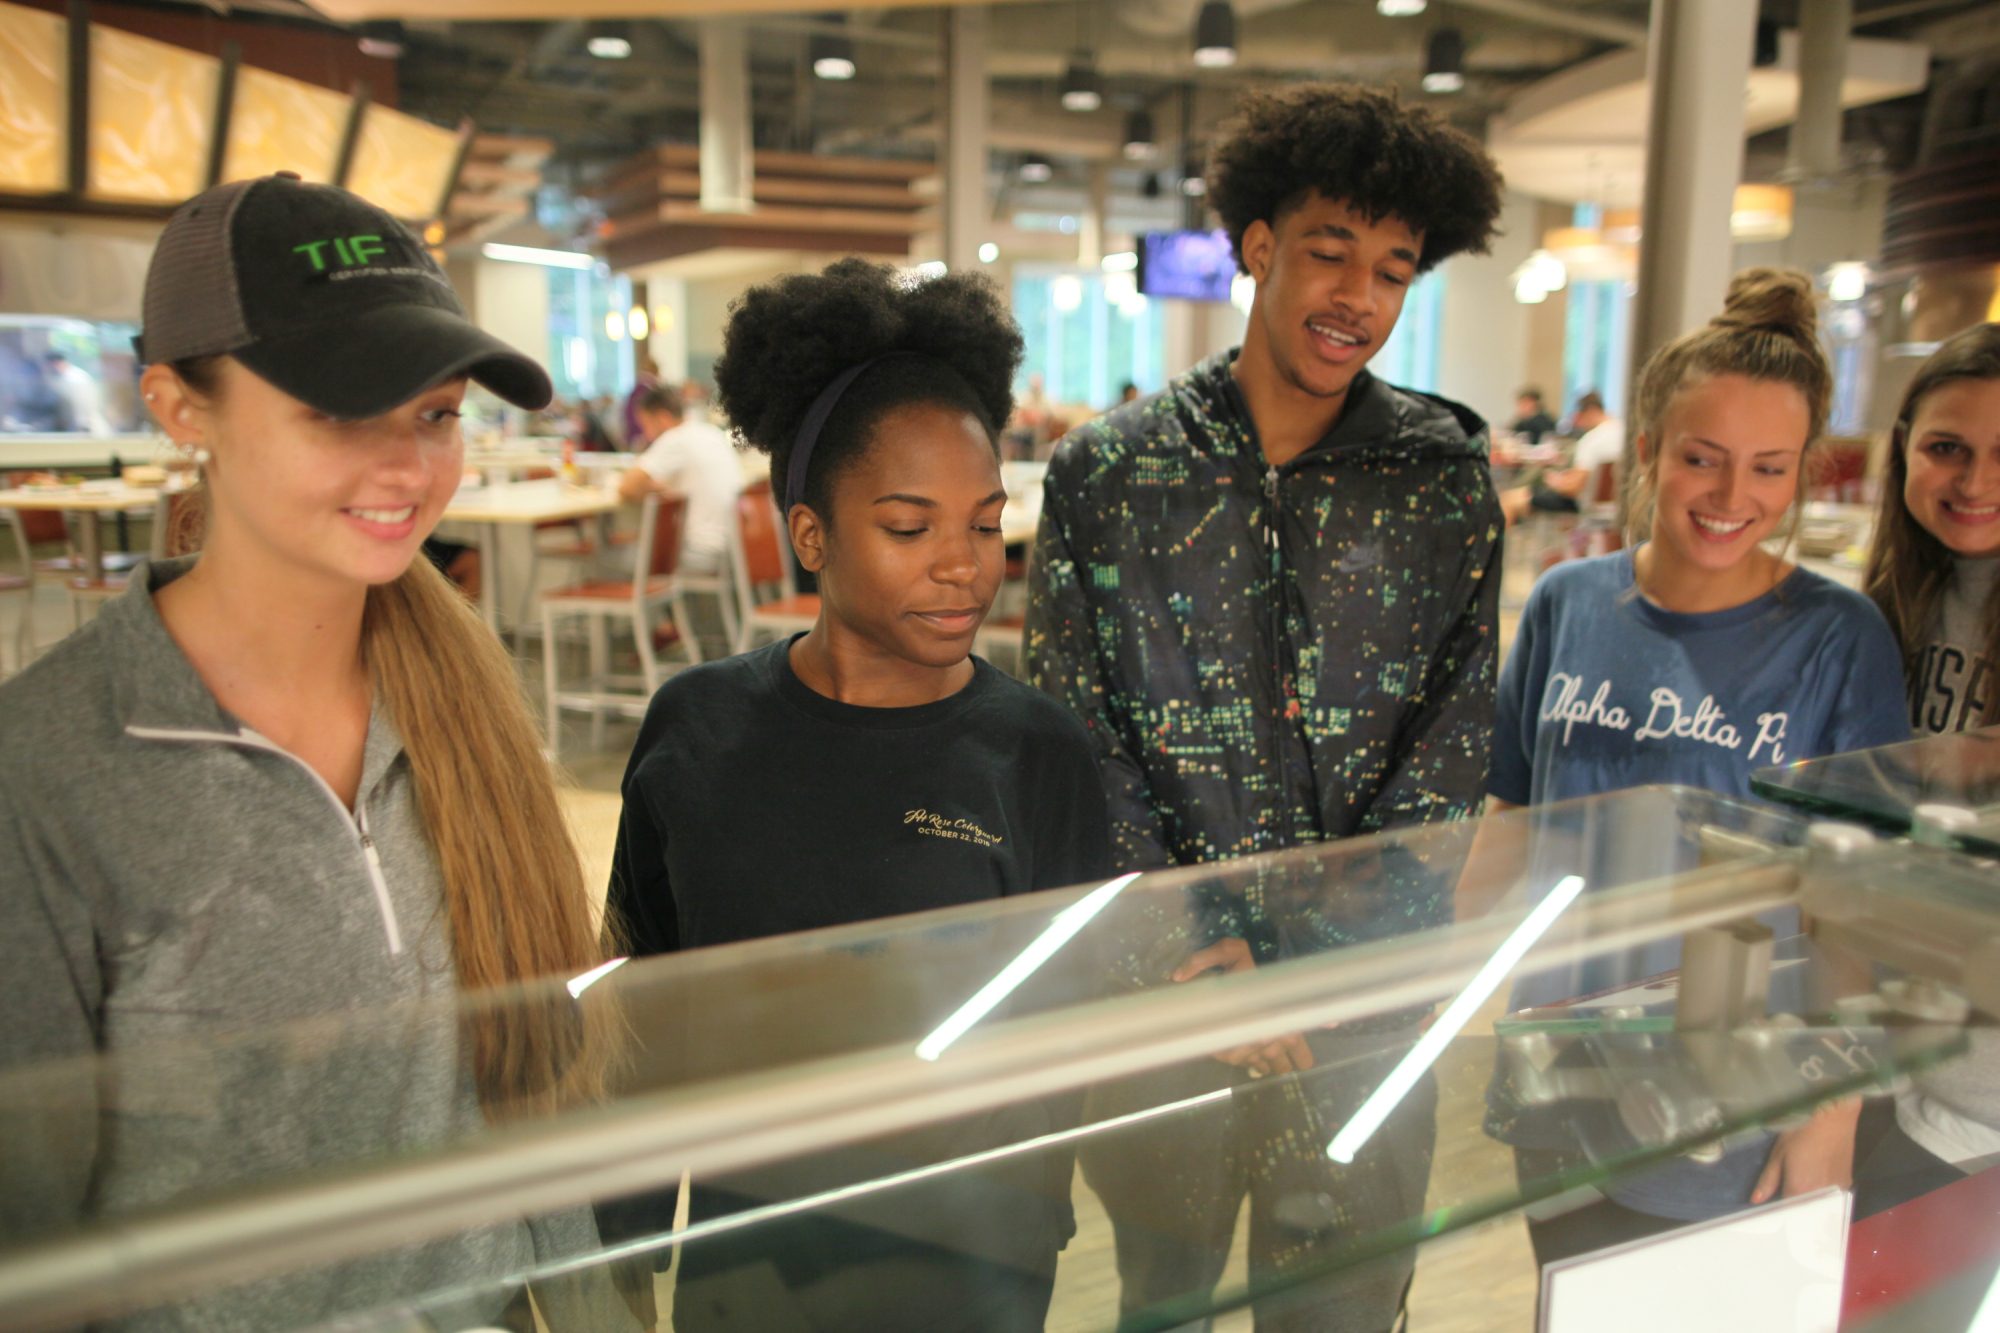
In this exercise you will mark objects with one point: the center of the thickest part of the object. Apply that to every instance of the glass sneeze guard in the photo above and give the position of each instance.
(1948, 784)
(918, 1089)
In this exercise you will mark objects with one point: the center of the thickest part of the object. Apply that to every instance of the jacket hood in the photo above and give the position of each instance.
(1379, 419)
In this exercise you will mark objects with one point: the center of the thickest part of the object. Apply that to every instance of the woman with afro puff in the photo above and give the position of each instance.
(866, 768)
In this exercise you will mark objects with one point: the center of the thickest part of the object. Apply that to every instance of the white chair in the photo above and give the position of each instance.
(655, 584)
(768, 602)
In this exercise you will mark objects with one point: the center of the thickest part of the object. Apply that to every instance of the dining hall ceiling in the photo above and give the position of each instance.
(520, 67)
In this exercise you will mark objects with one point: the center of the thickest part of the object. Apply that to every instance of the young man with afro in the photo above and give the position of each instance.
(1270, 592)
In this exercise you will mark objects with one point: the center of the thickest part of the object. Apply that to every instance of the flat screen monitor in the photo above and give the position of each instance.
(1190, 265)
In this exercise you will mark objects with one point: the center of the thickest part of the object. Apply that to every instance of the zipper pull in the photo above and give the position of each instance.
(1271, 510)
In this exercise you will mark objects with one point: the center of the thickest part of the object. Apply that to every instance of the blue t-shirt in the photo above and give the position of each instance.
(1604, 690)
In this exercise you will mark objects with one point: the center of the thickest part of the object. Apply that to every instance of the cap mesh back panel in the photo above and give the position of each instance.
(192, 307)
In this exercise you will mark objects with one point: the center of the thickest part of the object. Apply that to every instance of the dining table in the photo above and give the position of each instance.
(491, 507)
(512, 463)
(90, 501)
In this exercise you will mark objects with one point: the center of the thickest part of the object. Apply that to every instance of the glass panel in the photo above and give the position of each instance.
(152, 113)
(1956, 775)
(34, 110)
(281, 124)
(400, 163)
(880, 1121)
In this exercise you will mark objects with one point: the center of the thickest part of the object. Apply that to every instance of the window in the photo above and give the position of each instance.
(97, 392)
(584, 360)
(1596, 336)
(1409, 358)
(1087, 334)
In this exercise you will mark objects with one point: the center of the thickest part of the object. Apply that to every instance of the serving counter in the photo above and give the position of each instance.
(919, 1091)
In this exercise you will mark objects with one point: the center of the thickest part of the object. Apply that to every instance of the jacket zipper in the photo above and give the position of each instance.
(357, 822)
(1275, 559)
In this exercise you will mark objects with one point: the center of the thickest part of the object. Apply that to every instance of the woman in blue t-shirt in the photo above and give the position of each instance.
(1695, 659)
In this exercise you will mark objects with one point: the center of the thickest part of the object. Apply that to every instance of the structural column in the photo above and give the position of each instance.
(1698, 55)
(1090, 235)
(727, 173)
(967, 211)
(1834, 217)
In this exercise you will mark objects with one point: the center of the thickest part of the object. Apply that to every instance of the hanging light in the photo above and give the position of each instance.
(988, 252)
(832, 55)
(1215, 35)
(614, 326)
(1243, 292)
(1760, 212)
(1444, 61)
(1082, 89)
(1847, 282)
(638, 323)
(1551, 274)
(1193, 184)
(1139, 135)
(381, 38)
(1035, 169)
(609, 39)
(1399, 9)
(1066, 293)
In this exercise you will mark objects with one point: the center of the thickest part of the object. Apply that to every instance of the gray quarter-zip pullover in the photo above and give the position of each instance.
(177, 896)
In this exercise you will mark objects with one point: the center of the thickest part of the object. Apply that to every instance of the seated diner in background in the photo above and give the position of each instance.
(686, 456)
(1600, 443)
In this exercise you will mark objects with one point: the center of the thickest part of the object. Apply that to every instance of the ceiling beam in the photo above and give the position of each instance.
(1548, 16)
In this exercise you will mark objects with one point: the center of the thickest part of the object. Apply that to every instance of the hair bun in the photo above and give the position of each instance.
(1779, 300)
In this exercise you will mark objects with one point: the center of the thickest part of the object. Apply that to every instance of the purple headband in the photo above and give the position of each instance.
(815, 422)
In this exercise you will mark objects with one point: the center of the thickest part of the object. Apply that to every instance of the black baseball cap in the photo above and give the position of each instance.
(322, 294)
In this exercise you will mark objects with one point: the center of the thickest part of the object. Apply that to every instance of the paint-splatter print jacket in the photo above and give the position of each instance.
(1265, 656)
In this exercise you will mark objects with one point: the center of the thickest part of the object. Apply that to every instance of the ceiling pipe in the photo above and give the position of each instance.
(727, 172)
(1813, 149)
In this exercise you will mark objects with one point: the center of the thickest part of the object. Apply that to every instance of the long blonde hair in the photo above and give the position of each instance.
(1768, 330)
(486, 795)
(1908, 567)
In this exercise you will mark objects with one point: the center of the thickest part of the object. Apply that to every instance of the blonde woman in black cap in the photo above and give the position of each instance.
(290, 776)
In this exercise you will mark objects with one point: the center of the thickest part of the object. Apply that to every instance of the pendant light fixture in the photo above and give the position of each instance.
(832, 54)
(382, 38)
(1193, 184)
(1444, 61)
(1082, 89)
(1215, 35)
(1139, 135)
(609, 39)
